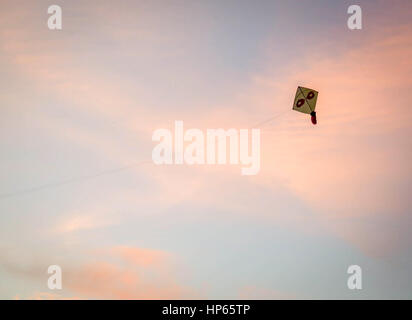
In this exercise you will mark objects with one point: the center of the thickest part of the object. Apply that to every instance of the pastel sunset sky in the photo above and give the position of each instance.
(78, 188)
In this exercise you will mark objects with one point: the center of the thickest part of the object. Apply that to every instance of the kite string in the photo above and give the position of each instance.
(105, 172)
(70, 180)
(264, 122)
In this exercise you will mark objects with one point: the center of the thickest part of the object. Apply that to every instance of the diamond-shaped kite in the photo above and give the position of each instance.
(305, 102)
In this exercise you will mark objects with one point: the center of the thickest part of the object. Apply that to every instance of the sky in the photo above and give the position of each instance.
(78, 187)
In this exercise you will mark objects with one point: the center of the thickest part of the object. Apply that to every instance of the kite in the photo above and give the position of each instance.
(305, 102)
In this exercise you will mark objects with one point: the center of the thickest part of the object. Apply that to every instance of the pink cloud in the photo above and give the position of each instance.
(140, 256)
(112, 273)
(353, 167)
(109, 281)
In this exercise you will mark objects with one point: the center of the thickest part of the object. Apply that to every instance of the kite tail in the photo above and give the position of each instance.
(313, 117)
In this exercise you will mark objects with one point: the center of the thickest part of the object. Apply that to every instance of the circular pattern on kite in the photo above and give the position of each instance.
(311, 95)
(300, 103)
